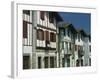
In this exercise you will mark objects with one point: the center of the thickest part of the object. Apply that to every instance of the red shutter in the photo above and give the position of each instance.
(24, 29)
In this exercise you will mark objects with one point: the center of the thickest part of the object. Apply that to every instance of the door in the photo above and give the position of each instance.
(39, 62)
(52, 62)
(46, 62)
(26, 62)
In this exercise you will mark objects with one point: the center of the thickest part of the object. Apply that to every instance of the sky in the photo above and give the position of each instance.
(79, 20)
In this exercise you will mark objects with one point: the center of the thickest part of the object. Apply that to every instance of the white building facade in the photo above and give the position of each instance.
(48, 42)
(66, 45)
(40, 39)
(75, 44)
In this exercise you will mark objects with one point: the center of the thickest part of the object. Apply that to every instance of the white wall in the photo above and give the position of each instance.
(5, 42)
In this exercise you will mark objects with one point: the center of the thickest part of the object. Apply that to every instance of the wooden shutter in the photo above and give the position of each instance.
(47, 35)
(52, 37)
(24, 29)
(40, 34)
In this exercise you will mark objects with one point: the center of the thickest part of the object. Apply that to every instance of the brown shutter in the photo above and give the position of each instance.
(47, 35)
(40, 34)
(24, 29)
(52, 37)
(42, 15)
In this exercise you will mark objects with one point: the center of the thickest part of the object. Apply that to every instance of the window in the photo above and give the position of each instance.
(62, 45)
(81, 62)
(42, 15)
(26, 62)
(63, 65)
(24, 29)
(40, 34)
(39, 62)
(52, 37)
(89, 38)
(68, 61)
(75, 47)
(52, 62)
(46, 62)
(78, 47)
(47, 35)
(26, 12)
(62, 33)
(77, 63)
(89, 61)
(70, 46)
(51, 17)
(90, 48)
(79, 37)
(68, 32)
(82, 37)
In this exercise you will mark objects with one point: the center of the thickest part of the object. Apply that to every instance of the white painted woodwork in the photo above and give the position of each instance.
(53, 44)
(27, 49)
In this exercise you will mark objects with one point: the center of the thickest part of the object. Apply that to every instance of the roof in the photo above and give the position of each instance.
(58, 17)
(64, 25)
(82, 32)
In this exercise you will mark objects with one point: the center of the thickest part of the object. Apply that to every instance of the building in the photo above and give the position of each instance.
(48, 42)
(40, 39)
(66, 45)
(80, 47)
(74, 46)
(82, 51)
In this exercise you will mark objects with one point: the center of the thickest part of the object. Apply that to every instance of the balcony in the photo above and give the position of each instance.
(68, 53)
(45, 45)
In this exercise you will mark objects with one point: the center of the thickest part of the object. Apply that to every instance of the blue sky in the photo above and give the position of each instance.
(79, 20)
